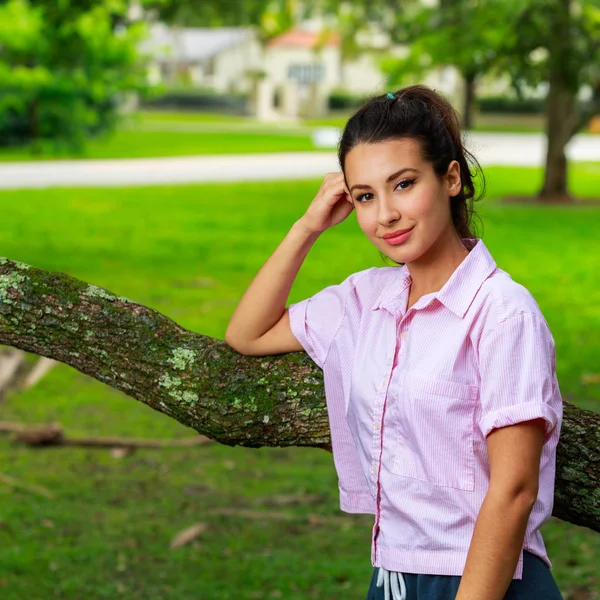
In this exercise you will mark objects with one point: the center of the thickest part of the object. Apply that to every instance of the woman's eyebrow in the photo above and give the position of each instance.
(362, 186)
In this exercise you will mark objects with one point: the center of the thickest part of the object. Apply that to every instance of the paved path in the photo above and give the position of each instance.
(490, 149)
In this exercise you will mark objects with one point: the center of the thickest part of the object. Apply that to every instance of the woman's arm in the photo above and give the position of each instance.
(263, 305)
(260, 324)
(514, 454)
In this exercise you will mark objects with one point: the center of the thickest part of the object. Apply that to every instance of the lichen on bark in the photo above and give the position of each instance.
(201, 382)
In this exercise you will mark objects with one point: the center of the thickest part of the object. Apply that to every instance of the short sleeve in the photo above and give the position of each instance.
(316, 320)
(518, 379)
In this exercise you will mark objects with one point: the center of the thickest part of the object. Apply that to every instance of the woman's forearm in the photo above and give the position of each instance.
(263, 303)
(495, 547)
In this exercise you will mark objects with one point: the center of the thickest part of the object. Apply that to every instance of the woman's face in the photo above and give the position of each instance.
(393, 189)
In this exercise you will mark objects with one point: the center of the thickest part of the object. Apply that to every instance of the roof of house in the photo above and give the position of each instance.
(297, 38)
(194, 44)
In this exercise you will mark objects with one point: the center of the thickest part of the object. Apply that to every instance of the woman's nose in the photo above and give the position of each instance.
(388, 212)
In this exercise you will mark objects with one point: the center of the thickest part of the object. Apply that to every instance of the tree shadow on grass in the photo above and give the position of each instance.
(561, 200)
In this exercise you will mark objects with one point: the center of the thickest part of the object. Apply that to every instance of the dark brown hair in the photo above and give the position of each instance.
(420, 113)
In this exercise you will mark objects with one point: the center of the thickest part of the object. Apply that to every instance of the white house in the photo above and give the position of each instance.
(299, 69)
(218, 58)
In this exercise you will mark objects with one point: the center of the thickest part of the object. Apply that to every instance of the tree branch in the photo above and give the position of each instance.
(204, 384)
(199, 381)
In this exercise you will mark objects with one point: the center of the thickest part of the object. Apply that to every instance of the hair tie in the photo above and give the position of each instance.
(390, 95)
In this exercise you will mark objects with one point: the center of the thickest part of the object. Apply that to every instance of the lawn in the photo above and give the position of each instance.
(169, 133)
(144, 142)
(490, 122)
(190, 252)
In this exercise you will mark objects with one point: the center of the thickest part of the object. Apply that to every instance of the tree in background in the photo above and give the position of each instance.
(559, 45)
(457, 33)
(220, 13)
(551, 42)
(64, 67)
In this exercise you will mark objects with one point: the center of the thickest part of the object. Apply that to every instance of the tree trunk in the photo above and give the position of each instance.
(34, 126)
(560, 105)
(202, 383)
(469, 101)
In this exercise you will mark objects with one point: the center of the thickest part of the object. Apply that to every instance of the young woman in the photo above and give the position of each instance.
(440, 377)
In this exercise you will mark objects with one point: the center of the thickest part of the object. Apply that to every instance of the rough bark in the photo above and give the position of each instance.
(204, 384)
(199, 381)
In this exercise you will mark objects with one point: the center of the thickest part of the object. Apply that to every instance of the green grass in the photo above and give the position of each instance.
(190, 252)
(168, 133)
(190, 116)
(497, 123)
(143, 144)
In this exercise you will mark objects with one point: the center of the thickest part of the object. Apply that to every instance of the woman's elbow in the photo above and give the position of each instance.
(235, 344)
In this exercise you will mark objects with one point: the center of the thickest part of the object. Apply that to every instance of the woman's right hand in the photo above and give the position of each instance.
(330, 206)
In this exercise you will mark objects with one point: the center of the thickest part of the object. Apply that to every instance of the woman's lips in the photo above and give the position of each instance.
(394, 240)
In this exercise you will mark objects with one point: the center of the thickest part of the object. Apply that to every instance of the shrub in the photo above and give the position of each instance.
(504, 104)
(341, 99)
(201, 99)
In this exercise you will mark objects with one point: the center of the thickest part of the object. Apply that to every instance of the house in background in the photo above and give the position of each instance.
(291, 75)
(217, 58)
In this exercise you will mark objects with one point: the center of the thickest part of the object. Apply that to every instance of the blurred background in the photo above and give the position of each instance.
(145, 147)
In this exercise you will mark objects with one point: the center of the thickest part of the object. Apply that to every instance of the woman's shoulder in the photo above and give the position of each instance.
(500, 298)
(371, 284)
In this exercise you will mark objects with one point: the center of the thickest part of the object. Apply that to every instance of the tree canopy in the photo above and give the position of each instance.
(549, 43)
(64, 67)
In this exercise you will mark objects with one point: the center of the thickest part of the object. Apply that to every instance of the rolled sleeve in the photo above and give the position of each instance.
(518, 378)
(316, 320)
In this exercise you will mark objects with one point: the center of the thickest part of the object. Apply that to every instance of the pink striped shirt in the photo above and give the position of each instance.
(412, 395)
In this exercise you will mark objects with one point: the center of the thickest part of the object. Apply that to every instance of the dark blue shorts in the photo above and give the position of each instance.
(537, 584)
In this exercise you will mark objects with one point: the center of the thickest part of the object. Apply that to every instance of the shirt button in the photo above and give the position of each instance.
(403, 335)
(374, 469)
(382, 383)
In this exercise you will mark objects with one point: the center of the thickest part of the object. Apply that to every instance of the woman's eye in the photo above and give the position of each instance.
(363, 197)
(405, 184)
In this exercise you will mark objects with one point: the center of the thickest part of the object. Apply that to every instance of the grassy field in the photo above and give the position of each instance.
(190, 252)
(482, 122)
(169, 133)
(145, 142)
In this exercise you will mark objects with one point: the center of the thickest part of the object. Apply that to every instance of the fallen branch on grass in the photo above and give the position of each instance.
(16, 373)
(52, 434)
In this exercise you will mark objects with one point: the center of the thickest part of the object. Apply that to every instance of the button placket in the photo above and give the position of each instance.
(377, 466)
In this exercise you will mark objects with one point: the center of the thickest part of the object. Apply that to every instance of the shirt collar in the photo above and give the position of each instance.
(456, 294)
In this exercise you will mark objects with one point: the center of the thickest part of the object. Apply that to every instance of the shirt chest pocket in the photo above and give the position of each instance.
(433, 423)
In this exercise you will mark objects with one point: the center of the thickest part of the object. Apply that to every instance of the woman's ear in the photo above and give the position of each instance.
(453, 178)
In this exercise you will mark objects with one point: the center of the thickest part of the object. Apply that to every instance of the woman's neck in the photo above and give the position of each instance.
(431, 271)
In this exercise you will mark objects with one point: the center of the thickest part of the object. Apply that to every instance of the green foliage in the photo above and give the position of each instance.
(516, 37)
(64, 68)
(200, 99)
(341, 99)
(550, 42)
(559, 43)
(466, 34)
(532, 54)
(505, 104)
(200, 13)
